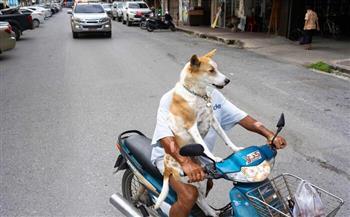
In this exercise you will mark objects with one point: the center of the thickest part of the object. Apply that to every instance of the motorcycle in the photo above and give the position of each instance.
(160, 23)
(144, 20)
(253, 194)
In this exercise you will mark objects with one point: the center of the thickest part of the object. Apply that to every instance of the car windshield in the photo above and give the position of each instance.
(89, 9)
(137, 5)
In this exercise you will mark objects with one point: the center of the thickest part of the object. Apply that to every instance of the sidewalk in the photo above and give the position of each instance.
(330, 51)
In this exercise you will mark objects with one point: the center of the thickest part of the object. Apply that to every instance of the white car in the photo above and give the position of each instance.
(90, 17)
(47, 12)
(134, 11)
(38, 17)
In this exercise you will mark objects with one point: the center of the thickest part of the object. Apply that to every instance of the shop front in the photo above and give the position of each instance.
(333, 15)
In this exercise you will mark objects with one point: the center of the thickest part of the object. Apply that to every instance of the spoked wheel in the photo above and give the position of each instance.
(131, 188)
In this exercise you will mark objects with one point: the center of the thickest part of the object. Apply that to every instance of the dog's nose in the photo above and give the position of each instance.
(227, 81)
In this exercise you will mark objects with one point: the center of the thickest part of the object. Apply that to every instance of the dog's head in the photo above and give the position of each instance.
(203, 71)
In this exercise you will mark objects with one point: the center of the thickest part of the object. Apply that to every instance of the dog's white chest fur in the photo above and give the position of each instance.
(203, 114)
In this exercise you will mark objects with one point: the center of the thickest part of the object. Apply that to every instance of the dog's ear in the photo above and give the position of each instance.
(210, 54)
(195, 63)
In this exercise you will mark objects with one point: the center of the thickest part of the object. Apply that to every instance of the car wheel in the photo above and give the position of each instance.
(109, 34)
(17, 32)
(75, 35)
(113, 17)
(36, 23)
(119, 19)
(128, 23)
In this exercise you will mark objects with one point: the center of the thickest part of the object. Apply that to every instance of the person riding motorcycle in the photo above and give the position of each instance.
(228, 115)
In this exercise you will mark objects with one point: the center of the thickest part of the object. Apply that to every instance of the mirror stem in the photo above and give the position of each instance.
(274, 137)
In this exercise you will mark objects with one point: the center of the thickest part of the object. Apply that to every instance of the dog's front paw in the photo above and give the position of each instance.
(218, 159)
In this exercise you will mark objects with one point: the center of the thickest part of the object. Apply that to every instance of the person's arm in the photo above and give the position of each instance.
(251, 124)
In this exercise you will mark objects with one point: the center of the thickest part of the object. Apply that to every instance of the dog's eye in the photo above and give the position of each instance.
(212, 70)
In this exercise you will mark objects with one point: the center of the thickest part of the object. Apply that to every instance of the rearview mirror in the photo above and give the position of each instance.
(192, 150)
(281, 122)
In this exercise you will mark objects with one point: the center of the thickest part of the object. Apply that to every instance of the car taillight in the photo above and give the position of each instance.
(30, 19)
(8, 30)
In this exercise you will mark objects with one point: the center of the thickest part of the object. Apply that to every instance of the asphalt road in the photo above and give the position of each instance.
(64, 101)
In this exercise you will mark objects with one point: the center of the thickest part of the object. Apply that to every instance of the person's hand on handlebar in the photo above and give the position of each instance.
(193, 170)
(279, 142)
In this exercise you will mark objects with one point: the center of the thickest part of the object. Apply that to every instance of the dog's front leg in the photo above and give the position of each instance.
(217, 127)
(194, 132)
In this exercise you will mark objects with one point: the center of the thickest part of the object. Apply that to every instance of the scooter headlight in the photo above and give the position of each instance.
(252, 174)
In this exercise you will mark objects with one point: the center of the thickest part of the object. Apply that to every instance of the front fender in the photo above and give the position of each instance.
(241, 206)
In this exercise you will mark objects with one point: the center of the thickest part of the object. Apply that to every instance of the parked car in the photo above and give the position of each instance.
(90, 17)
(117, 10)
(7, 37)
(37, 16)
(47, 12)
(133, 12)
(19, 22)
(108, 8)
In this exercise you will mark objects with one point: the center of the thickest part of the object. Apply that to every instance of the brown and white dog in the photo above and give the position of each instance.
(191, 116)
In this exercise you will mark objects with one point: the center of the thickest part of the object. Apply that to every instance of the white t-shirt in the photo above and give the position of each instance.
(226, 113)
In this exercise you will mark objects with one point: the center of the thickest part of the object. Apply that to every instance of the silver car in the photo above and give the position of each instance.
(90, 17)
(7, 37)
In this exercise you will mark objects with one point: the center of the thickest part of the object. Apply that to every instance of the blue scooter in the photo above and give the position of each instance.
(252, 194)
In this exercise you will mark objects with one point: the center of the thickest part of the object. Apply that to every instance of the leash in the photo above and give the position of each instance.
(206, 98)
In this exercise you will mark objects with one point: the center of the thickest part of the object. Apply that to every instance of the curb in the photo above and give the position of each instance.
(337, 66)
(233, 42)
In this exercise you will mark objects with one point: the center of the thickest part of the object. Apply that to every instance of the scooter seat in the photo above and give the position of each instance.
(140, 147)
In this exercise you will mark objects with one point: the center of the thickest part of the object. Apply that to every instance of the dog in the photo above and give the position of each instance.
(190, 118)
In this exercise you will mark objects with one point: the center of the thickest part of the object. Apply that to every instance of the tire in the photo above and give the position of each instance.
(143, 25)
(149, 28)
(36, 23)
(113, 17)
(127, 182)
(172, 28)
(17, 32)
(124, 22)
(109, 34)
(75, 35)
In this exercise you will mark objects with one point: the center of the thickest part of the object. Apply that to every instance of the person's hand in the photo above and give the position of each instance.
(279, 142)
(194, 171)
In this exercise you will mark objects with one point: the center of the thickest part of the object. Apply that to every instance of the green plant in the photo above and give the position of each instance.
(321, 66)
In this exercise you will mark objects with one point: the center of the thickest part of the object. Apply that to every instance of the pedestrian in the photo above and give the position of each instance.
(310, 26)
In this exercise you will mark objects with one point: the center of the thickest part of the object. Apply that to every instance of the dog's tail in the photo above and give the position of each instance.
(163, 194)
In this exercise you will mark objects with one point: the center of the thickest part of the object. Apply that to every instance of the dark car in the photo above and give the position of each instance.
(19, 22)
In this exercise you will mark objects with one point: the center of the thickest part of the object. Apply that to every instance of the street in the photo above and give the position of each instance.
(63, 102)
